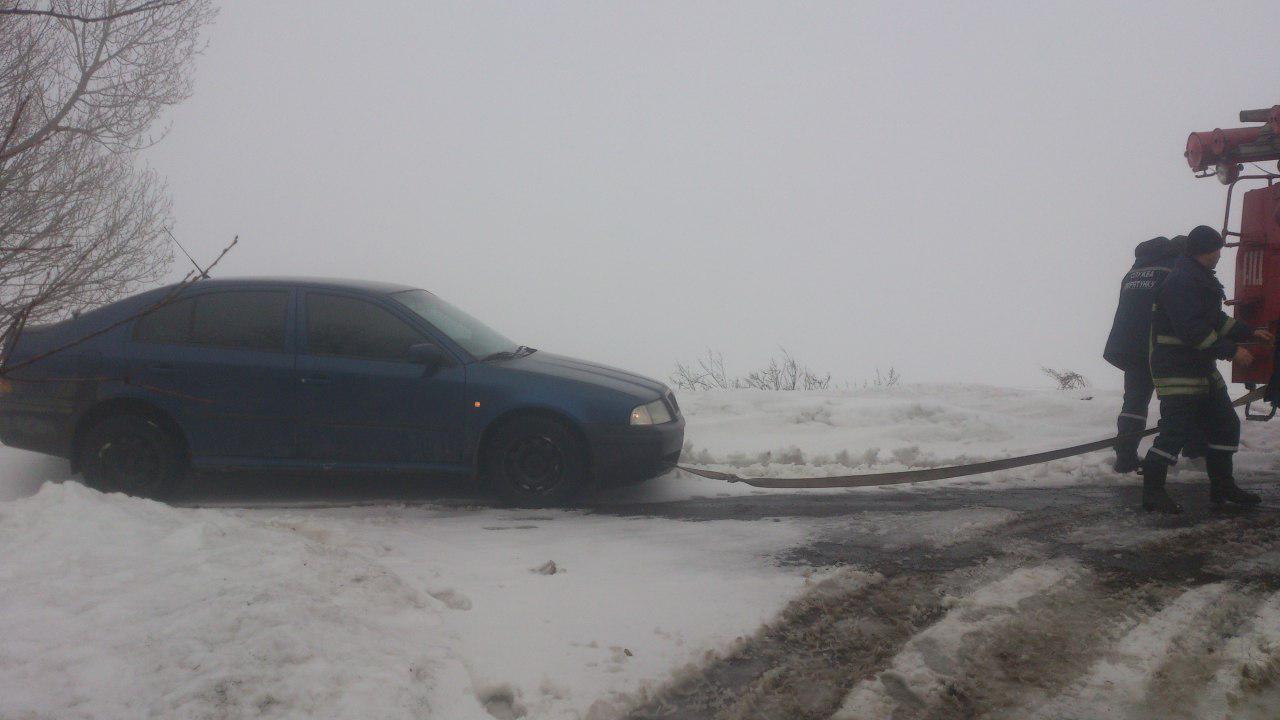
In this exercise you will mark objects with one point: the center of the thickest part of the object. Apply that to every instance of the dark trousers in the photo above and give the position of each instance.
(1133, 412)
(1184, 417)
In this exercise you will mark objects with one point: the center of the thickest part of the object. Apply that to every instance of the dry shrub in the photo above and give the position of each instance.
(782, 373)
(1066, 379)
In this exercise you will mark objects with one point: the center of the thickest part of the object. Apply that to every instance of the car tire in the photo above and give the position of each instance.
(534, 462)
(131, 454)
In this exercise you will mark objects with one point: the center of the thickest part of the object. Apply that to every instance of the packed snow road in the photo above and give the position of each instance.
(1007, 604)
(1040, 594)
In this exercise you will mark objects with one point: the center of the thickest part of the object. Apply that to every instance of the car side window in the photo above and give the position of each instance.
(253, 320)
(348, 327)
(170, 323)
(250, 320)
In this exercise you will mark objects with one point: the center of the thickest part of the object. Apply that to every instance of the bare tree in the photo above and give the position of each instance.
(82, 82)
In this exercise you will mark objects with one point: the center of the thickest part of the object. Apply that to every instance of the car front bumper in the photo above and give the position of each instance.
(629, 454)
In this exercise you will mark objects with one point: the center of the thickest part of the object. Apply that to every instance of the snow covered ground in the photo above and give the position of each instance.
(803, 434)
(114, 607)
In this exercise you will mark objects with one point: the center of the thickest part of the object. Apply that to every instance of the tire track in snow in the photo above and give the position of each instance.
(1027, 658)
(1011, 670)
(1247, 681)
(1014, 669)
(1033, 656)
(803, 665)
(1116, 685)
(1196, 656)
(800, 665)
(921, 672)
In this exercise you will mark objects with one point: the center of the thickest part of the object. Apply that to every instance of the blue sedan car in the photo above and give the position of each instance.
(265, 374)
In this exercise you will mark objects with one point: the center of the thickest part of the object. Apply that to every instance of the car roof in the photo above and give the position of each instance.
(368, 286)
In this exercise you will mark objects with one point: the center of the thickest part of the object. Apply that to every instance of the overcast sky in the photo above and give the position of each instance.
(953, 190)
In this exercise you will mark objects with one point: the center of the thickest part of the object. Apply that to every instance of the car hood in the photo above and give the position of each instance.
(567, 368)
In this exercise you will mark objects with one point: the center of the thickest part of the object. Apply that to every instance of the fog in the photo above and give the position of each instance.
(952, 190)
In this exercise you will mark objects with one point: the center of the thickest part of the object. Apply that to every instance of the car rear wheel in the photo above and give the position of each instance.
(534, 462)
(130, 454)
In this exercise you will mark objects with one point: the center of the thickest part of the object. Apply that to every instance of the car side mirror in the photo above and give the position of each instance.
(427, 354)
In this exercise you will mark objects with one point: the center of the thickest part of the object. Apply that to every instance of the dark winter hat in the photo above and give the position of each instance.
(1203, 239)
(1156, 246)
(1153, 249)
(1179, 244)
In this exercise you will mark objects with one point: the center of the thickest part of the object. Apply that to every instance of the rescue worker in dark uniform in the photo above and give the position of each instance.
(1128, 344)
(1189, 334)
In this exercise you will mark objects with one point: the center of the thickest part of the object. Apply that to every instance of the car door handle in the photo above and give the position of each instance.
(315, 380)
(163, 369)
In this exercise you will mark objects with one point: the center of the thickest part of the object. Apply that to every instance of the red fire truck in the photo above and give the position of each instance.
(1224, 154)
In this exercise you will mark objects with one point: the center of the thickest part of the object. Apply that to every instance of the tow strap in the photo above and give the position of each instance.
(903, 477)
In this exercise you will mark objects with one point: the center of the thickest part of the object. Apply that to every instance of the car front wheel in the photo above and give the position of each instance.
(131, 455)
(535, 461)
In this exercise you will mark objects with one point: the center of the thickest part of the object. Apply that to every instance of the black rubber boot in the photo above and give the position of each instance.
(1222, 486)
(1126, 462)
(1154, 497)
(1127, 459)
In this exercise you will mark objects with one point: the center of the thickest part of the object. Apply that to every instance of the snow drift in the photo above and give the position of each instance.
(118, 607)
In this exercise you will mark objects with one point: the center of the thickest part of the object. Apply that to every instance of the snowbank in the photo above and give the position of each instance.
(124, 608)
(22, 472)
(115, 607)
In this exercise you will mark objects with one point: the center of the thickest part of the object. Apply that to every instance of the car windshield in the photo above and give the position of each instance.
(474, 336)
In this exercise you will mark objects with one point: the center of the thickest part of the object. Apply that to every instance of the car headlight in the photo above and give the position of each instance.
(654, 413)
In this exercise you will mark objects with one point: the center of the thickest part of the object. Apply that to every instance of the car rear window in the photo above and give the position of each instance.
(250, 320)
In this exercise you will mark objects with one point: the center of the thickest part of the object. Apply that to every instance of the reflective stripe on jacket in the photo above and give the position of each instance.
(1190, 332)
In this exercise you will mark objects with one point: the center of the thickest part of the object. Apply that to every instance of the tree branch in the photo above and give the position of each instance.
(13, 125)
(171, 296)
(144, 7)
